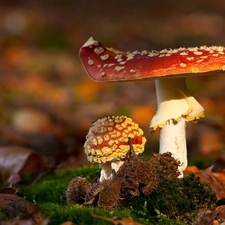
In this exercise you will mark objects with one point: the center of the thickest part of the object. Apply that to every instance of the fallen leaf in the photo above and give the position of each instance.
(220, 212)
(204, 218)
(9, 190)
(123, 221)
(215, 180)
(5, 199)
(22, 209)
(21, 161)
(67, 223)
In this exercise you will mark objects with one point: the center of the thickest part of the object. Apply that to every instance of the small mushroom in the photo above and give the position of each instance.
(107, 143)
(169, 68)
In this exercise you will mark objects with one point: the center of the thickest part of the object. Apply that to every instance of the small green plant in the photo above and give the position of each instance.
(163, 219)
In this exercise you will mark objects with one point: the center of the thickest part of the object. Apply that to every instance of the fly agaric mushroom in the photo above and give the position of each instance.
(169, 69)
(107, 143)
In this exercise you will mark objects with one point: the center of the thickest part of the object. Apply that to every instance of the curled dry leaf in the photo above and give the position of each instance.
(21, 161)
(220, 212)
(5, 199)
(22, 209)
(214, 179)
(7, 195)
(68, 223)
(204, 217)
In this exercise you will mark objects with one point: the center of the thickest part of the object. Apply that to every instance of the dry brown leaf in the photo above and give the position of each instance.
(220, 212)
(22, 209)
(123, 221)
(21, 161)
(68, 223)
(9, 190)
(5, 199)
(215, 180)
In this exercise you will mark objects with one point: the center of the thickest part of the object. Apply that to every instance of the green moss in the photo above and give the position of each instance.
(179, 199)
(52, 188)
(78, 214)
(174, 201)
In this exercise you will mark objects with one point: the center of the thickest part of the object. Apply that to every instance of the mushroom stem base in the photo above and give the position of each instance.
(107, 169)
(173, 139)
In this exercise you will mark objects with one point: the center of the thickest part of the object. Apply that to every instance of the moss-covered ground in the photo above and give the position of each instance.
(49, 195)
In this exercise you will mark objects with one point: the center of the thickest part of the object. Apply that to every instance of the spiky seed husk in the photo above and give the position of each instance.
(92, 194)
(77, 190)
(109, 196)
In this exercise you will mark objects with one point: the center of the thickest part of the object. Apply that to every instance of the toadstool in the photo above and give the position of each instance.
(107, 143)
(169, 68)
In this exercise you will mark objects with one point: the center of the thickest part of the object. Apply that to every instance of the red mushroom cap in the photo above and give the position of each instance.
(107, 64)
(107, 139)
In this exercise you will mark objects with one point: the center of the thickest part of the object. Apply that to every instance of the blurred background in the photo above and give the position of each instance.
(48, 102)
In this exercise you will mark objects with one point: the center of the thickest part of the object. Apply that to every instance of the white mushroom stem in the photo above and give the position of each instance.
(107, 169)
(173, 139)
(175, 107)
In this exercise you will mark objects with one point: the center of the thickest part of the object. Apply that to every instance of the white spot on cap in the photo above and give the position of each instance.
(119, 68)
(130, 56)
(183, 53)
(136, 52)
(193, 49)
(104, 57)
(190, 58)
(118, 56)
(99, 50)
(111, 64)
(90, 62)
(133, 71)
(144, 52)
(174, 51)
(220, 48)
(183, 65)
(164, 51)
(102, 74)
(223, 67)
(197, 53)
(155, 53)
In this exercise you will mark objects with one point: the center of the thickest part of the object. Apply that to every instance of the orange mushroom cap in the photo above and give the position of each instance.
(107, 139)
(107, 64)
